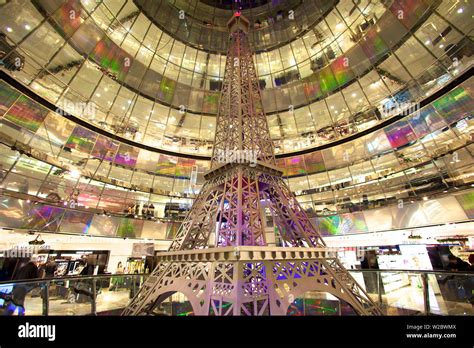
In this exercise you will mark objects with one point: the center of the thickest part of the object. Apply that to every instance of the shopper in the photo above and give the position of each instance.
(130, 210)
(461, 287)
(471, 261)
(117, 281)
(119, 268)
(469, 285)
(145, 210)
(151, 211)
(83, 286)
(28, 271)
(456, 264)
(50, 267)
(46, 270)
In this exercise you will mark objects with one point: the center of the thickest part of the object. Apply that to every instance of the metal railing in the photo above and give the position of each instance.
(397, 292)
(419, 292)
(70, 295)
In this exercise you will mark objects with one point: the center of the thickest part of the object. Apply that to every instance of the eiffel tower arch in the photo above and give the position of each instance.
(223, 258)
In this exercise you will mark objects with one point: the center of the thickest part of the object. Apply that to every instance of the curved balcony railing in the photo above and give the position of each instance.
(397, 292)
(449, 108)
(417, 156)
(411, 142)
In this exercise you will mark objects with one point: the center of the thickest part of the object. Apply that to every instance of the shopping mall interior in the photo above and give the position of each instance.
(110, 115)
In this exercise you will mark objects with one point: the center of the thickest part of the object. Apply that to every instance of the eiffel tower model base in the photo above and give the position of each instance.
(248, 281)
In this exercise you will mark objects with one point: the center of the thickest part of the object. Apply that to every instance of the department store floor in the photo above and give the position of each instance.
(407, 300)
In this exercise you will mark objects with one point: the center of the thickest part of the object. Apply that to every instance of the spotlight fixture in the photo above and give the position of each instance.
(37, 241)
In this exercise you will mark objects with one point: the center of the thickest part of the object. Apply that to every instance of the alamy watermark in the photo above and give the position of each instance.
(28, 330)
(401, 108)
(24, 251)
(80, 109)
(237, 156)
(336, 252)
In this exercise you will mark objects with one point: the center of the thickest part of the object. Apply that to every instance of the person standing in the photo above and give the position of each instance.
(19, 292)
(151, 211)
(470, 268)
(117, 281)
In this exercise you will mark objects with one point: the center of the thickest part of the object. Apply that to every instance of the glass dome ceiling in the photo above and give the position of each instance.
(336, 77)
(202, 24)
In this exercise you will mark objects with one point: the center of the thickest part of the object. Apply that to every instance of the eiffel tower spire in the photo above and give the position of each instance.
(241, 121)
(225, 258)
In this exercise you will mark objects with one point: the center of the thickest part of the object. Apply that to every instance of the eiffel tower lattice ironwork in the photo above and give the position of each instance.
(224, 258)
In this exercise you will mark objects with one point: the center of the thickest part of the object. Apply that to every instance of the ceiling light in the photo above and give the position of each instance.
(427, 42)
(441, 46)
(332, 106)
(75, 173)
(354, 95)
(27, 27)
(106, 89)
(97, 94)
(425, 198)
(9, 29)
(461, 10)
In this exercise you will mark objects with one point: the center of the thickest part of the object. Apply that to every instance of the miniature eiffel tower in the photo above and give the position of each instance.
(224, 259)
